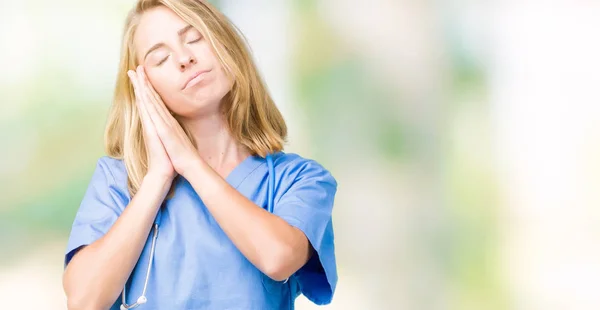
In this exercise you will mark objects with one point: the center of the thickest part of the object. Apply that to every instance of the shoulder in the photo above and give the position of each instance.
(293, 167)
(113, 170)
(113, 167)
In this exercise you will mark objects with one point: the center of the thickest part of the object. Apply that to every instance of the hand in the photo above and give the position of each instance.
(159, 164)
(179, 148)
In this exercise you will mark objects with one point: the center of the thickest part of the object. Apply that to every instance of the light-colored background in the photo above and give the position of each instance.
(465, 137)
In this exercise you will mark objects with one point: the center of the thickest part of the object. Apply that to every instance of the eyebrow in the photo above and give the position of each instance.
(161, 44)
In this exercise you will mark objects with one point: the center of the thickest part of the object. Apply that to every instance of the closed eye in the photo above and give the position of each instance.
(194, 41)
(190, 42)
(162, 61)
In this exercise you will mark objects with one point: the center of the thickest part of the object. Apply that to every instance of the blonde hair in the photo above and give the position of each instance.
(251, 115)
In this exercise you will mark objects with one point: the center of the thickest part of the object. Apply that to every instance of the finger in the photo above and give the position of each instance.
(136, 88)
(139, 102)
(138, 98)
(152, 141)
(142, 88)
(159, 123)
(147, 123)
(133, 79)
(155, 99)
(158, 105)
(151, 136)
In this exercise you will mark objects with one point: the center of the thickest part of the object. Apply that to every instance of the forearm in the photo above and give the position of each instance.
(266, 240)
(96, 274)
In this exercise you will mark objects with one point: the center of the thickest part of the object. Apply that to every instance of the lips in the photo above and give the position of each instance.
(195, 78)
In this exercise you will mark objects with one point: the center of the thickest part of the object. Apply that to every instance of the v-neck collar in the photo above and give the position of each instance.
(243, 169)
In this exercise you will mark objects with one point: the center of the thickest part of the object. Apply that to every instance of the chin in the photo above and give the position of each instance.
(199, 108)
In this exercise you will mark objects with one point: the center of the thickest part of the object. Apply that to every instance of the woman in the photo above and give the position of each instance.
(196, 206)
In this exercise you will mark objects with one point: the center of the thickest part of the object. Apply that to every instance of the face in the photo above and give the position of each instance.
(180, 63)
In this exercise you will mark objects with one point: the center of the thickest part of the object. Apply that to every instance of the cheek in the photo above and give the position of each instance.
(204, 52)
(166, 89)
(224, 82)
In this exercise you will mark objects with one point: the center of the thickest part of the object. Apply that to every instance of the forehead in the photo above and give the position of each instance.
(156, 25)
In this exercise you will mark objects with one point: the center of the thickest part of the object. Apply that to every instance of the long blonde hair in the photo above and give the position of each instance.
(251, 115)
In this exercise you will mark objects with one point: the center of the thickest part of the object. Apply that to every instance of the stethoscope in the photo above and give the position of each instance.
(142, 299)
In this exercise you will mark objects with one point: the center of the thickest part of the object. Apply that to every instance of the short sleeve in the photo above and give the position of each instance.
(307, 204)
(100, 207)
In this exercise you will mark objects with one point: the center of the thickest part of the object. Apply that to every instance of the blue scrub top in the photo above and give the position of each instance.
(196, 266)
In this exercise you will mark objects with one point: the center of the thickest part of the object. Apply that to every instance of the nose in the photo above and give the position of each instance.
(186, 61)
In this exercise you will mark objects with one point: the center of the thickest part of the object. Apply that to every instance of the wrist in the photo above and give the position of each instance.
(157, 180)
(193, 168)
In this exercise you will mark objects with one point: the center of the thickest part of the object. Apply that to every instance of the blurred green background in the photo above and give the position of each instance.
(463, 135)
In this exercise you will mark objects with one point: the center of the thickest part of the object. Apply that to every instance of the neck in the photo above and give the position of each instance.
(215, 144)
